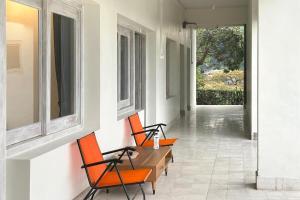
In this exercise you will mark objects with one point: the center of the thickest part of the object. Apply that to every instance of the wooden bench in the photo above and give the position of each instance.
(157, 160)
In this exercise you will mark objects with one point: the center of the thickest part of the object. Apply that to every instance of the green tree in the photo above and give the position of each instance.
(225, 45)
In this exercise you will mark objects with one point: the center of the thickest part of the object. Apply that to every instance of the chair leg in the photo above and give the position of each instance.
(172, 159)
(92, 197)
(144, 196)
(87, 196)
(107, 191)
(125, 190)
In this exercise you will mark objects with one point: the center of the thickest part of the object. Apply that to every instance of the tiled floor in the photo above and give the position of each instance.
(213, 161)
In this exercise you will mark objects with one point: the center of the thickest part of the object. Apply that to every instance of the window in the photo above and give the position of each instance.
(62, 66)
(140, 62)
(131, 71)
(125, 70)
(43, 68)
(171, 64)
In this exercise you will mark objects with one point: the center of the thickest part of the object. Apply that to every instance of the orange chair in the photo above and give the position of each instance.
(104, 174)
(143, 135)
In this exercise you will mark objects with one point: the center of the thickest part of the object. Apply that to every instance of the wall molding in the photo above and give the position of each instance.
(278, 184)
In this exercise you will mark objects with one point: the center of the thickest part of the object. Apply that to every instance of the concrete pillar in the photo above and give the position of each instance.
(2, 100)
(192, 103)
(254, 74)
(278, 95)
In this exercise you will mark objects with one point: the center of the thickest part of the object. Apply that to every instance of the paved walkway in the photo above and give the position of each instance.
(214, 160)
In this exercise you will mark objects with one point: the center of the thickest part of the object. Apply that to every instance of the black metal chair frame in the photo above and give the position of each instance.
(112, 164)
(151, 132)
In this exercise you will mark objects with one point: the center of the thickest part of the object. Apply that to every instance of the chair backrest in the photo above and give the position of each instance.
(136, 126)
(90, 153)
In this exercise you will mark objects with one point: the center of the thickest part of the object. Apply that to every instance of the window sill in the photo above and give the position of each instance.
(170, 97)
(42, 144)
(125, 115)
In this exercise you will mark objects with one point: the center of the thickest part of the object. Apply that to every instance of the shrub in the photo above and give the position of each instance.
(220, 97)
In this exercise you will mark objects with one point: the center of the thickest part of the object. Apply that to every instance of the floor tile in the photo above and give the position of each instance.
(214, 160)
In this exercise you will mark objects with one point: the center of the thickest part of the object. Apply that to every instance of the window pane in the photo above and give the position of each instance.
(62, 66)
(140, 52)
(124, 69)
(22, 38)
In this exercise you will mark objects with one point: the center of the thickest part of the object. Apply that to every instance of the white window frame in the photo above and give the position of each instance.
(32, 130)
(127, 103)
(45, 126)
(128, 106)
(62, 123)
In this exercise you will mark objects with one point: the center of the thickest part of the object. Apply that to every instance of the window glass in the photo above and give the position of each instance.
(124, 67)
(140, 51)
(22, 40)
(62, 66)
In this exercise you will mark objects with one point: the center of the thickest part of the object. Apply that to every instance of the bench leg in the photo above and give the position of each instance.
(153, 187)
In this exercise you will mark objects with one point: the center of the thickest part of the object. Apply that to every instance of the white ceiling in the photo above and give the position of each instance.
(209, 3)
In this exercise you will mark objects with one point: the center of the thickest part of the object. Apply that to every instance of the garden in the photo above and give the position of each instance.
(220, 66)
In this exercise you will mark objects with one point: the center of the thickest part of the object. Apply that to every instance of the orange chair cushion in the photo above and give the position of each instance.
(162, 142)
(136, 127)
(128, 177)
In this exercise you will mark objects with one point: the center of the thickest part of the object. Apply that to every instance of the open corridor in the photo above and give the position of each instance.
(81, 79)
(214, 160)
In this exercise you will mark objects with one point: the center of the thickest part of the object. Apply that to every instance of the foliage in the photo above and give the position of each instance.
(219, 80)
(220, 97)
(220, 62)
(221, 48)
(200, 79)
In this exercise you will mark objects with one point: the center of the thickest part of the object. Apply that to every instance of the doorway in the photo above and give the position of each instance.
(221, 66)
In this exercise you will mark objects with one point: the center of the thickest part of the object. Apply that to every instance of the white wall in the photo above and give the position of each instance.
(100, 91)
(279, 94)
(169, 109)
(145, 13)
(218, 17)
(53, 171)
